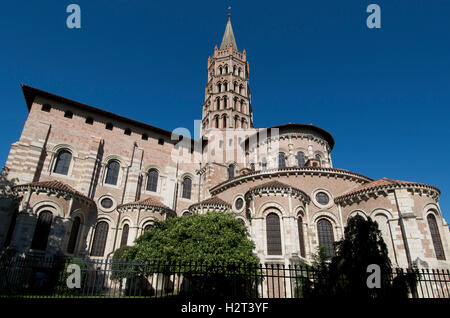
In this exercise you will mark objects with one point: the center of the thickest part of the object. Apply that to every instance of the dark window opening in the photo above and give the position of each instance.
(152, 180)
(74, 235)
(435, 237)
(46, 108)
(160, 141)
(109, 126)
(42, 231)
(90, 121)
(326, 237)
(273, 234)
(100, 236)
(144, 137)
(68, 114)
(125, 231)
(187, 186)
(63, 162)
(112, 172)
(127, 132)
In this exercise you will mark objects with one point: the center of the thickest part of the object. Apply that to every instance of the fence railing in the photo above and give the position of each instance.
(49, 277)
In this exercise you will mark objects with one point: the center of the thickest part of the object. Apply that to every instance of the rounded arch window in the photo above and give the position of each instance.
(74, 235)
(281, 160)
(152, 180)
(326, 236)
(187, 213)
(100, 236)
(231, 171)
(148, 227)
(435, 237)
(187, 188)
(124, 239)
(273, 234)
(300, 159)
(322, 198)
(62, 163)
(112, 172)
(42, 231)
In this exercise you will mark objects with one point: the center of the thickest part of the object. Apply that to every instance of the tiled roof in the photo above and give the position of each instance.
(212, 201)
(383, 183)
(148, 202)
(53, 185)
(273, 184)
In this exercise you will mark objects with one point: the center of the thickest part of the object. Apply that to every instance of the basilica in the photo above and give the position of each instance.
(87, 181)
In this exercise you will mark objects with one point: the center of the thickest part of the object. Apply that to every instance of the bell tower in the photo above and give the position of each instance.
(227, 95)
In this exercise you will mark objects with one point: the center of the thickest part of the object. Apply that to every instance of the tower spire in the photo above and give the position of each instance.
(228, 37)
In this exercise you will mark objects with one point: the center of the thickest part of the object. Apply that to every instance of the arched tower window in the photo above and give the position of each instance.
(220, 69)
(100, 236)
(234, 69)
(301, 236)
(112, 172)
(281, 160)
(264, 163)
(225, 103)
(226, 69)
(152, 180)
(187, 187)
(217, 103)
(74, 235)
(216, 122)
(42, 231)
(63, 162)
(147, 227)
(273, 234)
(219, 87)
(326, 237)
(436, 238)
(225, 86)
(124, 239)
(300, 159)
(236, 122)
(224, 122)
(319, 157)
(230, 171)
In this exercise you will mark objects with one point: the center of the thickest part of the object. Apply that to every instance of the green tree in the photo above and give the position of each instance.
(361, 246)
(213, 251)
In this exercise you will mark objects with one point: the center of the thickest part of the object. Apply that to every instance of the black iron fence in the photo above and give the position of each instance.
(54, 277)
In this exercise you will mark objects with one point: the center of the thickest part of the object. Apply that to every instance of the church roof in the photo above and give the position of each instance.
(147, 202)
(53, 185)
(382, 184)
(213, 201)
(228, 37)
(274, 185)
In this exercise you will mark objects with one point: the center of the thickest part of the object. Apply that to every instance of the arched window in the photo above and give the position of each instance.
(225, 103)
(319, 157)
(74, 235)
(125, 231)
(187, 213)
(225, 86)
(326, 237)
(300, 159)
(216, 122)
(112, 172)
(187, 186)
(236, 122)
(152, 180)
(224, 124)
(234, 69)
(63, 162)
(436, 238)
(264, 163)
(301, 236)
(273, 234)
(217, 103)
(226, 69)
(281, 160)
(220, 70)
(230, 171)
(147, 227)
(42, 231)
(219, 87)
(100, 236)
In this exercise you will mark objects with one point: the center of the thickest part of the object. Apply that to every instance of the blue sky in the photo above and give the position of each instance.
(384, 94)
